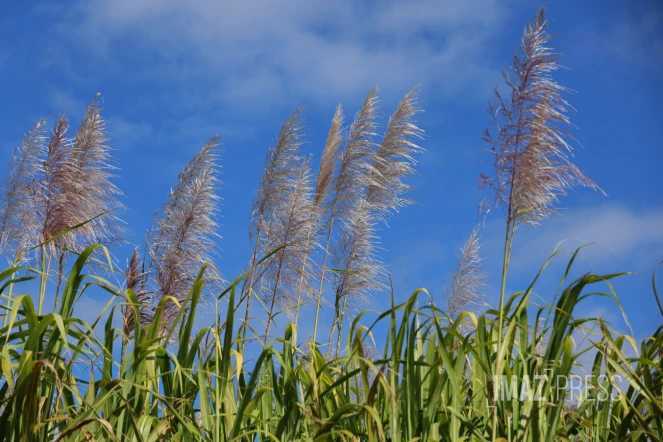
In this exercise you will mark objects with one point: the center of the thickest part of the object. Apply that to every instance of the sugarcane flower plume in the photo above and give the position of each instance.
(281, 160)
(356, 162)
(467, 279)
(88, 189)
(530, 147)
(395, 159)
(183, 238)
(356, 254)
(58, 184)
(288, 231)
(19, 221)
(329, 159)
(376, 177)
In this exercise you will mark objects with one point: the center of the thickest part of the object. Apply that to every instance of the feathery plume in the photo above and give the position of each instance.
(323, 188)
(394, 158)
(362, 272)
(17, 209)
(355, 254)
(531, 149)
(183, 237)
(381, 195)
(349, 186)
(55, 186)
(355, 166)
(330, 156)
(88, 190)
(288, 229)
(282, 159)
(51, 201)
(467, 279)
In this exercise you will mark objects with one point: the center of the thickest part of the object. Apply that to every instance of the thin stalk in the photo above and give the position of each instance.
(510, 227)
(9, 295)
(45, 270)
(278, 275)
(9, 302)
(340, 325)
(250, 290)
(301, 279)
(337, 315)
(322, 272)
(341, 293)
(60, 271)
(271, 306)
(333, 327)
(508, 241)
(330, 157)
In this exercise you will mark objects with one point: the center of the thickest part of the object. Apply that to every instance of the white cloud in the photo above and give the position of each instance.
(621, 236)
(263, 50)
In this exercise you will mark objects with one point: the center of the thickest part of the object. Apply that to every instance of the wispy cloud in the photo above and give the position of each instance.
(623, 237)
(253, 54)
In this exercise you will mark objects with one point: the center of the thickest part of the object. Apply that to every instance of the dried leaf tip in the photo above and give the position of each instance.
(134, 281)
(134, 274)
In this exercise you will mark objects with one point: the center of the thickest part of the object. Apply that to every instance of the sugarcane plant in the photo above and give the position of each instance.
(150, 366)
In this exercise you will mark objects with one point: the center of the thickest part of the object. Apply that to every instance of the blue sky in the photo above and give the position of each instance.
(174, 73)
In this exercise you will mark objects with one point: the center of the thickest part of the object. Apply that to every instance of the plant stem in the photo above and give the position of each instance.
(340, 325)
(282, 256)
(337, 303)
(510, 226)
(248, 295)
(5, 316)
(301, 279)
(322, 273)
(45, 269)
(60, 271)
(271, 307)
